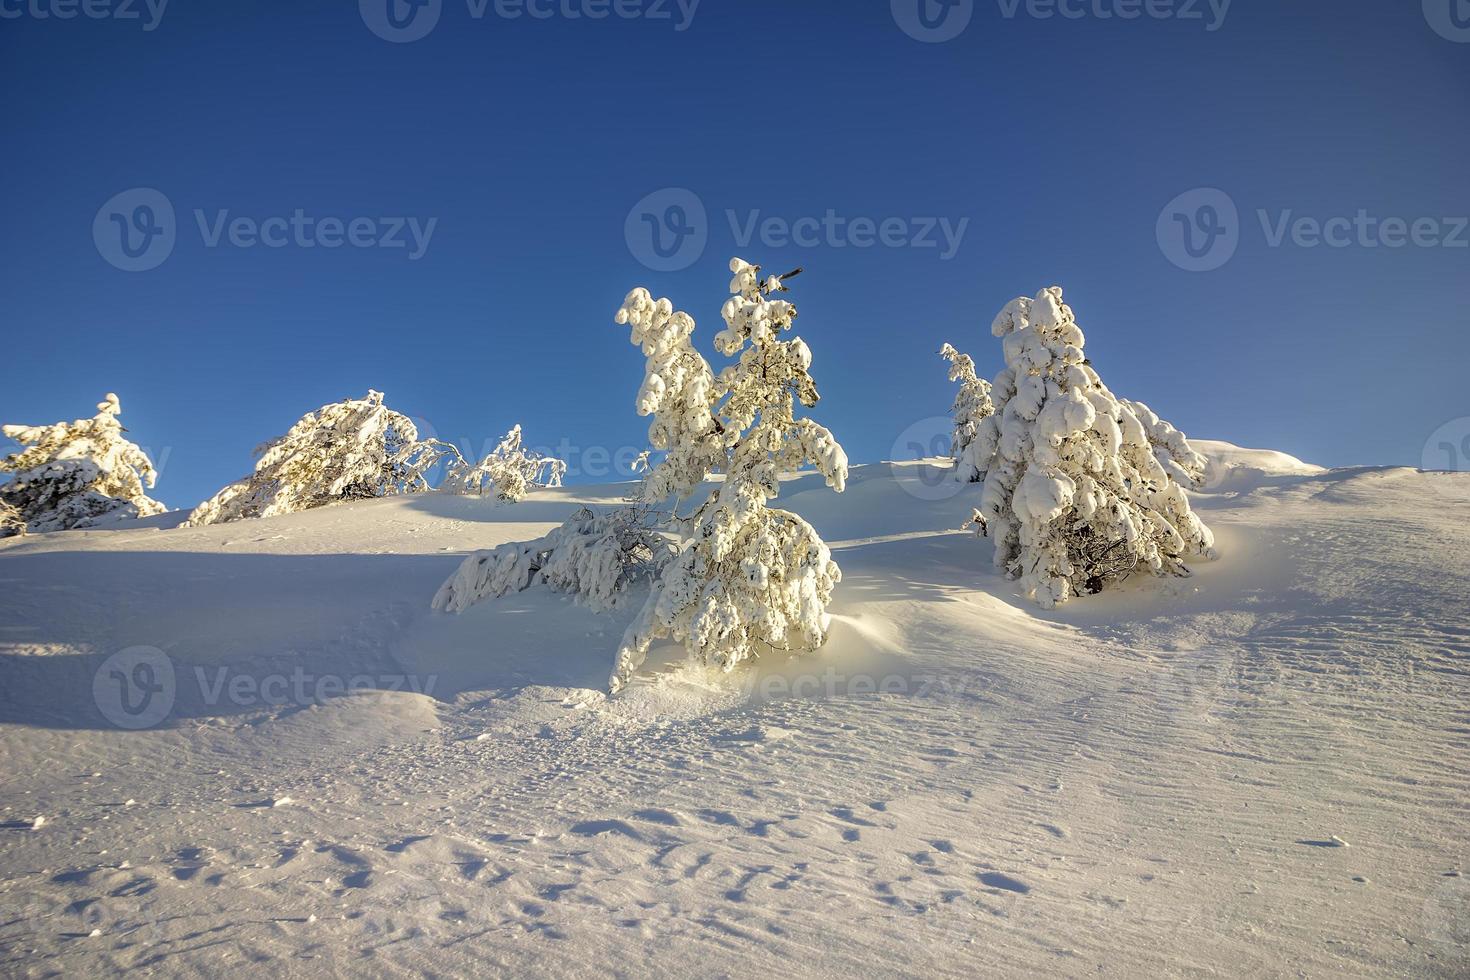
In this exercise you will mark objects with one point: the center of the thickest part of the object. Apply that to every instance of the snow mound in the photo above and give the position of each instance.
(1231, 466)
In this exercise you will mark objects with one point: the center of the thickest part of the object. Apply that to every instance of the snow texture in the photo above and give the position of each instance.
(77, 474)
(962, 784)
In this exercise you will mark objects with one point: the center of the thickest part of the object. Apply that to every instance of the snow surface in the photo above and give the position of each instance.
(1258, 770)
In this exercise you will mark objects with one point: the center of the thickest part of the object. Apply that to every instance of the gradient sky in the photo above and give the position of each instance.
(1060, 140)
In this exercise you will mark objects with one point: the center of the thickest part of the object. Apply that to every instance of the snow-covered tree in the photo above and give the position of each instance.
(1076, 495)
(509, 470)
(972, 405)
(76, 474)
(350, 450)
(744, 579)
(748, 579)
(11, 523)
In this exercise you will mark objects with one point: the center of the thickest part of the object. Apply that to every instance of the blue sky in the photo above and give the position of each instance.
(526, 151)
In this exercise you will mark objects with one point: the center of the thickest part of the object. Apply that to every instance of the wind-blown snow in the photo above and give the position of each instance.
(1261, 769)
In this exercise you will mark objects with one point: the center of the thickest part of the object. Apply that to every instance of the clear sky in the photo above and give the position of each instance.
(529, 142)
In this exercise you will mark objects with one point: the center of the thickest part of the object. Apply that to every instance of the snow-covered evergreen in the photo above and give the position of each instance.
(349, 450)
(75, 475)
(510, 471)
(972, 406)
(1081, 488)
(748, 579)
(744, 579)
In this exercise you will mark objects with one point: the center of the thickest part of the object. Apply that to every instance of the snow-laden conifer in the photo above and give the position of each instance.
(1080, 490)
(743, 578)
(972, 406)
(748, 579)
(76, 474)
(350, 450)
(510, 471)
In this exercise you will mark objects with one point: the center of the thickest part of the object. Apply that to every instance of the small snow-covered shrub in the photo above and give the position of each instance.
(350, 450)
(972, 406)
(510, 471)
(595, 557)
(75, 475)
(1081, 488)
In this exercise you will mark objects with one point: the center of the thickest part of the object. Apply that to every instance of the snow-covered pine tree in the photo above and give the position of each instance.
(11, 523)
(509, 470)
(972, 406)
(349, 450)
(77, 474)
(1075, 496)
(748, 579)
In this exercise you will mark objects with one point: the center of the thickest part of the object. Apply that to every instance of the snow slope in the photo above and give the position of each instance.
(1258, 770)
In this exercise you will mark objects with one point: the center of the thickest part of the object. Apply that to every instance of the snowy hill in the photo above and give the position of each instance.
(1259, 769)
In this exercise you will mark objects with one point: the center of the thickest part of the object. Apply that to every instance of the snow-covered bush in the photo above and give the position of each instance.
(350, 450)
(1080, 490)
(972, 405)
(595, 557)
(510, 471)
(748, 579)
(76, 474)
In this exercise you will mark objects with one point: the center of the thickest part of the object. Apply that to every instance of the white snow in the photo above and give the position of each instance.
(1158, 780)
